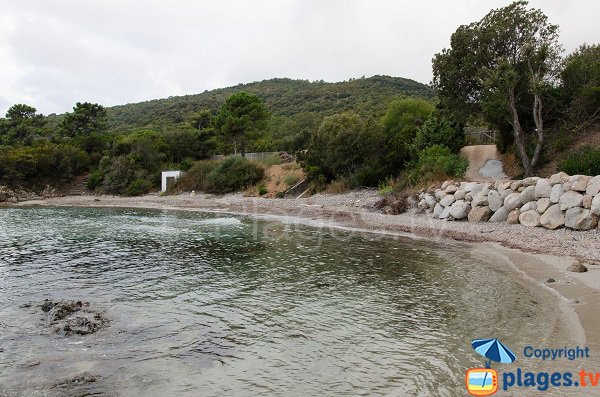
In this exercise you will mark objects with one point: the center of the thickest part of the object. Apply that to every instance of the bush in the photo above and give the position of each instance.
(139, 187)
(233, 174)
(196, 178)
(440, 130)
(291, 180)
(437, 163)
(585, 161)
(262, 190)
(94, 181)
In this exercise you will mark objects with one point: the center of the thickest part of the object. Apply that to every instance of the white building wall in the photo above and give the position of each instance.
(169, 174)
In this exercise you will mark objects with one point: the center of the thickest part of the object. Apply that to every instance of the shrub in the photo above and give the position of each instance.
(291, 180)
(233, 174)
(338, 186)
(262, 190)
(585, 161)
(94, 181)
(440, 130)
(196, 178)
(438, 162)
(139, 187)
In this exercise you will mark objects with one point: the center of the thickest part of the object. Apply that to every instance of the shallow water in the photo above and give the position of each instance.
(208, 304)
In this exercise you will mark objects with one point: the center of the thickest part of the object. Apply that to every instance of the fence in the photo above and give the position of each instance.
(250, 156)
(478, 136)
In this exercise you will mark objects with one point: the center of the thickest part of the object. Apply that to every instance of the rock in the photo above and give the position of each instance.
(513, 216)
(530, 218)
(422, 205)
(446, 184)
(504, 186)
(561, 177)
(579, 182)
(439, 194)
(513, 201)
(587, 201)
(550, 280)
(447, 200)
(567, 186)
(445, 213)
(72, 317)
(460, 209)
(527, 195)
(430, 200)
(553, 218)
(580, 219)
(460, 194)
(516, 185)
(480, 199)
(500, 215)
(542, 188)
(593, 187)
(451, 189)
(556, 192)
(570, 199)
(495, 200)
(437, 210)
(470, 186)
(577, 267)
(532, 205)
(542, 205)
(469, 196)
(480, 214)
(596, 205)
(530, 181)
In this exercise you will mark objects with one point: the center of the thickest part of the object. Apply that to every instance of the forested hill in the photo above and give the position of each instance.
(284, 97)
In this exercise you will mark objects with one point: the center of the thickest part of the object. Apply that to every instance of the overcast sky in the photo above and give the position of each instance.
(55, 53)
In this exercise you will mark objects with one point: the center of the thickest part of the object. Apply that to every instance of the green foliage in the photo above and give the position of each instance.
(196, 178)
(241, 115)
(439, 130)
(22, 125)
(85, 119)
(580, 83)
(401, 122)
(38, 165)
(585, 161)
(138, 187)
(233, 174)
(438, 163)
(290, 180)
(262, 190)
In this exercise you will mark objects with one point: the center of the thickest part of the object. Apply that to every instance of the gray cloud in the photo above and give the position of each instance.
(55, 53)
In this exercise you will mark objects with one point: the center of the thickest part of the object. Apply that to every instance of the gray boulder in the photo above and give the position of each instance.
(542, 205)
(480, 199)
(596, 205)
(500, 215)
(532, 205)
(553, 218)
(570, 199)
(587, 201)
(460, 209)
(561, 177)
(542, 188)
(593, 187)
(460, 194)
(577, 267)
(512, 201)
(556, 192)
(527, 195)
(451, 189)
(437, 210)
(580, 219)
(430, 200)
(447, 200)
(445, 213)
(529, 218)
(480, 214)
(495, 200)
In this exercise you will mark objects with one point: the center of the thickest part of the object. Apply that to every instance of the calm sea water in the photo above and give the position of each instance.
(216, 305)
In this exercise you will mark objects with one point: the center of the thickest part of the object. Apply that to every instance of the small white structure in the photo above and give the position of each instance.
(169, 178)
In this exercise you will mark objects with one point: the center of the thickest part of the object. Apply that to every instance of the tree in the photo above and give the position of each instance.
(241, 115)
(441, 130)
(401, 122)
(508, 59)
(22, 124)
(580, 84)
(85, 119)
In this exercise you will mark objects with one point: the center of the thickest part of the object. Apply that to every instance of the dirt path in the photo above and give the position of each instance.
(484, 163)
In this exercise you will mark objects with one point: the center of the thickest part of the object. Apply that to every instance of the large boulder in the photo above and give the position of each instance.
(451, 189)
(437, 210)
(512, 201)
(430, 200)
(561, 177)
(445, 213)
(527, 195)
(460, 209)
(542, 205)
(495, 200)
(529, 218)
(587, 201)
(580, 219)
(556, 192)
(570, 199)
(579, 182)
(596, 205)
(532, 205)
(593, 187)
(480, 199)
(500, 215)
(447, 200)
(480, 214)
(542, 188)
(460, 194)
(553, 218)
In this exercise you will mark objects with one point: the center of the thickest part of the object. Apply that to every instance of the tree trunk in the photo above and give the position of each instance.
(242, 147)
(518, 130)
(539, 124)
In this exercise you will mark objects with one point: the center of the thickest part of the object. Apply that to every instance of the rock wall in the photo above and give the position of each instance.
(10, 195)
(558, 201)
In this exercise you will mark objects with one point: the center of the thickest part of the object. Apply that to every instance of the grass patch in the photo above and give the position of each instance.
(585, 161)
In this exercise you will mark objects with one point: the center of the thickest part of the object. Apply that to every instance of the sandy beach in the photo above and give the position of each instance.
(538, 257)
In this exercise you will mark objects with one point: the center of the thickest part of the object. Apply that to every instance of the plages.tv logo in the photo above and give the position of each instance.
(484, 381)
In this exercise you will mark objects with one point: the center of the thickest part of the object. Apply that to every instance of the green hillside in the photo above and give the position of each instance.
(283, 97)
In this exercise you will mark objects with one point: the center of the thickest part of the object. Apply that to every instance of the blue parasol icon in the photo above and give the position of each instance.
(493, 350)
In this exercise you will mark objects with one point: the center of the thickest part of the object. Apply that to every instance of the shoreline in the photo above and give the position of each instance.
(530, 254)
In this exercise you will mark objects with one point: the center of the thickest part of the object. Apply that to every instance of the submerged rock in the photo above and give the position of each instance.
(72, 317)
(577, 267)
